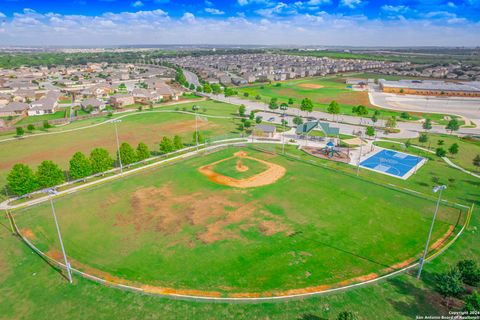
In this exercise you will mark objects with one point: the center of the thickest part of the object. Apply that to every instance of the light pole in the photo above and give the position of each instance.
(67, 264)
(284, 108)
(195, 108)
(118, 144)
(422, 259)
(359, 156)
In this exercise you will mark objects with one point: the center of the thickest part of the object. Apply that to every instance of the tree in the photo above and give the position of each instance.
(333, 107)
(20, 131)
(391, 122)
(408, 143)
(207, 88)
(80, 166)
(453, 150)
(30, 127)
(470, 272)
(273, 104)
(192, 86)
(258, 97)
(201, 139)
(347, 315)
(247, 124)
(290, 101)
(166, 145)
(476, 161)
(177, 142)
(423, 138)
(472, 302)
(449, 284)
(360, 110)
(241, 110)
(453, 125)
(370, 131)
(251, 116)
(306, 105)
(127, 154)
(258, 120)
(21, 179)
(298, 121)
(405, 115)
(46, 125)
(246, 94)
(199, 88)
(374, 119)
(440, 142)
(216, 89)
(440, 152)
(49, 174)
(143, 152)
(228, 92)
(100, 160)
(427, 124)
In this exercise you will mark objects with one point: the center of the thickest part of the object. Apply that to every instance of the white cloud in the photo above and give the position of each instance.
(157, 27)
(137, 4)
(188, 17)
(352, 4)
(318, 2)
(214, 11)
(2, 15)
(395, 9)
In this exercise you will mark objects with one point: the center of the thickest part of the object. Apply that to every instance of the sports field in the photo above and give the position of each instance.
(308, 230)
(147, 126)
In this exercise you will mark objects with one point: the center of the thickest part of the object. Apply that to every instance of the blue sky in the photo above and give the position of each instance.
(300, 22)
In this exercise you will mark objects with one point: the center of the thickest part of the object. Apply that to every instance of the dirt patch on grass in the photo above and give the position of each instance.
(241, 167)
(269, 176)
(177, 127)
(28, 233)
(310, 85)
(437, 244)
(162, 210)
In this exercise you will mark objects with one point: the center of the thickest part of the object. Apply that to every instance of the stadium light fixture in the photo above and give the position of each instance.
(52, 192)
(118, 144)
(422, 259)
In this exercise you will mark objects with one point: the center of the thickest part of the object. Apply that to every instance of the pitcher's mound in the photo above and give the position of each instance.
(271, 174)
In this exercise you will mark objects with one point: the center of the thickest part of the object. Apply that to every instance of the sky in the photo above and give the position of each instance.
(260, 22)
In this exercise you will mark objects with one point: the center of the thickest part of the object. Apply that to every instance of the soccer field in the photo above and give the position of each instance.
(174, 230)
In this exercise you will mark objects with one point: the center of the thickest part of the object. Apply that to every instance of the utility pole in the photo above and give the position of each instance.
(422, 259)
(67, 264)
(195, 108)
(118, 144)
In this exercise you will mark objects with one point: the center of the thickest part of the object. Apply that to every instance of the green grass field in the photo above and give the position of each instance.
(30, 289)
(322, 90)
(39, 119)
(147, 126)
(312, 227)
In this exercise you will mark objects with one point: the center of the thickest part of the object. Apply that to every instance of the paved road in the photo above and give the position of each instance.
(191, 77)
(346, 123)
(468, 108)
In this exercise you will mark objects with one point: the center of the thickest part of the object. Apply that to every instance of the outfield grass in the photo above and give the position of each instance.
(313, 226)
(329, 88)
(147, 126)
(30, 289)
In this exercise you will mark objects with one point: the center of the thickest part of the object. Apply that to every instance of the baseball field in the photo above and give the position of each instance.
(178, 229)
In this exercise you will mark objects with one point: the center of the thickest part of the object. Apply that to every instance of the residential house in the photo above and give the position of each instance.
(14, 109)
(93, 105)
(121, 100)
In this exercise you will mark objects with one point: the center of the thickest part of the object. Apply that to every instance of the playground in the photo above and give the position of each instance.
(294, 235)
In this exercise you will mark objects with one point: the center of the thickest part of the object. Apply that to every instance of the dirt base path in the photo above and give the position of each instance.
(269, 176)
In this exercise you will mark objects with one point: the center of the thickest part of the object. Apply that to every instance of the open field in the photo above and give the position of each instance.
(327, 229)
(147, 126)
(32, 290)
(322, 90)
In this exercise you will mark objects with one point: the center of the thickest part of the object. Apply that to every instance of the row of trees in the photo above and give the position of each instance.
(23, 180)
(20, 131)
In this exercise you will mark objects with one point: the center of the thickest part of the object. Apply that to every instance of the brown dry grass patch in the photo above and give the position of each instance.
(310, 85)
